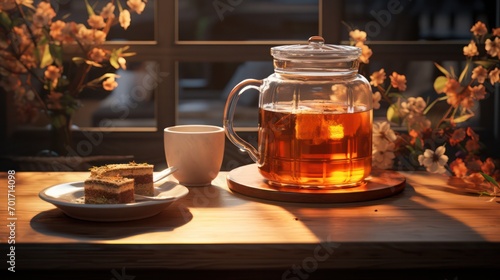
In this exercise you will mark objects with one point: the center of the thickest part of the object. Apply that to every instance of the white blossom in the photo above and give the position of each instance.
(383, 159)
(434, 161)
(383, 136)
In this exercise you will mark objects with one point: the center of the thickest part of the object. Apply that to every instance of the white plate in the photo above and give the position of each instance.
(69, 197)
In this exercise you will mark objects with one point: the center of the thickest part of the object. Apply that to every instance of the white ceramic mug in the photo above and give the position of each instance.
(197, 152)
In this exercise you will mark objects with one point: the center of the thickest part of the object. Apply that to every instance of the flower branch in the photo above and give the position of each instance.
(437, 129)
(32, 44)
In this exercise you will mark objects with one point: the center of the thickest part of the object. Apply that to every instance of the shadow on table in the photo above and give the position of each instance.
(399, 231)
(210, 196)
(386, 217)
(55, 222)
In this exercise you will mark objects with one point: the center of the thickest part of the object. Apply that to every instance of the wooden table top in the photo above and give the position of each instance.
(431, 224)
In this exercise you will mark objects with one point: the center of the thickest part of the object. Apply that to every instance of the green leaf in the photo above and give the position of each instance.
(128, 54)
(57, 121)
(120, 8)
(485, 63)
(46, 58)
(78, 60)
(443, 70)
(452, 70)
(93, 63)
(490, 179)
(103, 77)
(395, 94)
(29, 5)
(122, 49)
(117, 53)
(429, 107)
(418, 144)
(56, 52)
(43, 40)
(113, 60)
(463, 118)
(464, 72)
(440, 83)
(90, 10)
(484, 193)
(5, 20)
(392, 114)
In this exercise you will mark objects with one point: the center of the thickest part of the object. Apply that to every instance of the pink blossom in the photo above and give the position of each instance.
(472, 146)
(99, 36)
(479, 29)
(56, 30)
(398, 81)
(29, 61)
(52, 72)
(493, 47)
(23, 38)
(488, 166)
(96, 22)
(477, 92)
(108, 11)
(458, 167)
(494, 75)
(475, 179)
(109, 84)
(378, 77)
(97, 54)
(471, 49)
(457, 136)
(479, 73)
(366, 52)
(43, 15)
(136, 5)
(124, 19)
(472, 134)
(496, 31)
(357, 35)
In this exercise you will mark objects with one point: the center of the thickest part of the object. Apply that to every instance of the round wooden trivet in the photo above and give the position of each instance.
(248, 181)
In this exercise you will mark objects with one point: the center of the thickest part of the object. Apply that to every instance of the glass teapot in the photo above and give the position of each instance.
(315, 117)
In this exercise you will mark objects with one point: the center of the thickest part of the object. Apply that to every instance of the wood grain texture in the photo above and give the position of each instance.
(431, 224)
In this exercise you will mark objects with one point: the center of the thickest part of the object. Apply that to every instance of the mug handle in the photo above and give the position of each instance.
(232, 99)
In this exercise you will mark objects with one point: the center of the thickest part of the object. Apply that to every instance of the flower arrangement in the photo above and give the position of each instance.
(443, 144)
(33, 42)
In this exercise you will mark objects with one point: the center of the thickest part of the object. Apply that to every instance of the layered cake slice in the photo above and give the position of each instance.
(142, 173)
(109, 190)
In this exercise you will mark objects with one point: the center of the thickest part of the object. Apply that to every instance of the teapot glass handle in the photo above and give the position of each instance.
(232, 99)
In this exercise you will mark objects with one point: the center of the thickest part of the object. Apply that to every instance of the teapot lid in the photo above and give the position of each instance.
(316, 49)
(316, 58)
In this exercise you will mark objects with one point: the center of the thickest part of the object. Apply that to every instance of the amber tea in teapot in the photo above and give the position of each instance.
(326, 148)
(315, 118)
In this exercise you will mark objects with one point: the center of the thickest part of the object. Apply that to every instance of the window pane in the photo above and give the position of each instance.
(141, 27)
(204, 87)
(131, 104)
(222, 20)
(387, 20)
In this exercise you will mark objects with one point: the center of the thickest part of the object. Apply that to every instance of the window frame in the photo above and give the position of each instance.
(168, 51)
